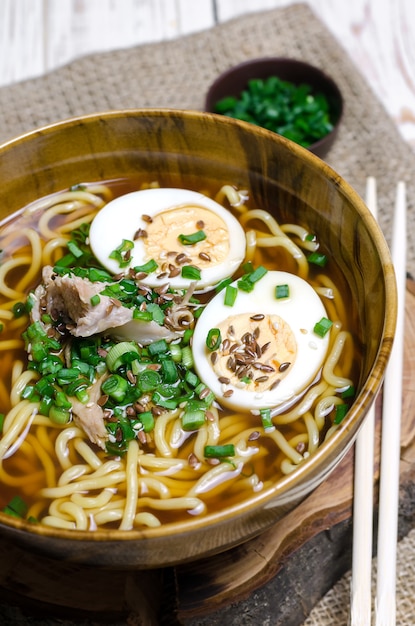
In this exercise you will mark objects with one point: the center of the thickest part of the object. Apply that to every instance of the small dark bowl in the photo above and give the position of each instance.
(234, 80)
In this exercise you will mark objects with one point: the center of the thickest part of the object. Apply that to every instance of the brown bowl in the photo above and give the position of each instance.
(234, 80)
(195, 147)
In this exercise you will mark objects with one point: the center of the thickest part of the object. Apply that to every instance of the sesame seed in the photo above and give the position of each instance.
(200, 224)
(204, 256)
(226, 345)
(228, 393)
(147, 218)
(284, 366)
(254, 435)
(213, 357)
(224, 379)
(257, 317)
(140, 233)
(181, 258)
(261, 379)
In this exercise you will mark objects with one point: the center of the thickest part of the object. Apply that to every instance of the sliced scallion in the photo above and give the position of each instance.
(317, 258)
(230, 295)
(213, 339)
(117, 353)
(219, 452)
(192, 238)
(322, 327)
(115, 386)
(282, 291)
(191, 272)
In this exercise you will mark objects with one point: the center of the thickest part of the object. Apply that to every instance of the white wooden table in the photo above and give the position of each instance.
(37, 36)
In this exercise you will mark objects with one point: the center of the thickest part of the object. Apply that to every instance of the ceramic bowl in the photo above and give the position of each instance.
(198, 146)
(235, 79)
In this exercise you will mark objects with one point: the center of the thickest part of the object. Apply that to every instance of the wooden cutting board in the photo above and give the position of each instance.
(278, 576)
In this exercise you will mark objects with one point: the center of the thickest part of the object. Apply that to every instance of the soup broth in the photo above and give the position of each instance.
(161, 472)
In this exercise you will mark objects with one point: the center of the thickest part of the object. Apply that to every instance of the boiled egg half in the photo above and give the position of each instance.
(263, 351)
(168, 232)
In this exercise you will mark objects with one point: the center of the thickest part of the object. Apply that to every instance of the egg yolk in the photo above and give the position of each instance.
(257, 351)
(164, 229)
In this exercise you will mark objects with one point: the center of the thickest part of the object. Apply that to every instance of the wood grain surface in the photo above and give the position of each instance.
(37, 36)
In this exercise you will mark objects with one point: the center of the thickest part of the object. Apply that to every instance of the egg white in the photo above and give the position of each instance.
(301, 311)
(122, 217)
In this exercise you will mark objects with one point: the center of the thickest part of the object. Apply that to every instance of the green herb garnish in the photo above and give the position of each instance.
(294, 111)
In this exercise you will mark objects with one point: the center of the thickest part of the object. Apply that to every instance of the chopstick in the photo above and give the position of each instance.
(361, 596)
(391, 429)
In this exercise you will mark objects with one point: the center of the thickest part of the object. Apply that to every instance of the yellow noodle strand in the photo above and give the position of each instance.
(132, 486)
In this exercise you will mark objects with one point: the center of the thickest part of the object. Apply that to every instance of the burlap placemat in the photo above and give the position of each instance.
(177, 74)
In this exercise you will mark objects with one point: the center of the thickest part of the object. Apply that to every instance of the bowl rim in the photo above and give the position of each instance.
(361, 403)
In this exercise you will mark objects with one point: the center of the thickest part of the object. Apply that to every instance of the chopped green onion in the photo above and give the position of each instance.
(95, 300)
(158, 347)
(122, 254)
(230, 295)
(44, 405)
(310, 237)
(17, 507)
(59, 415)
(317, 258)
(176, 352)
(191, 378)
(245, 285)
(246, 380)
(67, 375)
(166, 403)
(257, 274)
(282, 291)
(147, 420)
(117, 354)
(115, 386)
(148, 380)
(193, 420)
(188, 240)
(349, 392)
(322, 327)
(187, 357)
(169, 371)
(191, 272)
(341, 410)
(96, 275)
(247, 282)
(156, 312)
(219, 452)
(19, 309)
(2, 418)
(62, 401)
(187, 335)
(266, 419)
(224, 283)
(213, 339)
(147, 268)
(248, 267)
(142, 316)
(74, 249)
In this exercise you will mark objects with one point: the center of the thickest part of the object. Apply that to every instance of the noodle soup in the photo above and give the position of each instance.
(132, 400)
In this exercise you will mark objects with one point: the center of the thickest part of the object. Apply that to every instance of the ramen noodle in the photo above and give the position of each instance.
(138, 391)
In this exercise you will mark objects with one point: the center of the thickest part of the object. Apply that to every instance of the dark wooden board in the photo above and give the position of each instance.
(272, 577)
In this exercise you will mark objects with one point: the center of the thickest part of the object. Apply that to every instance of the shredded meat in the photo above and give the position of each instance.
(90, 416)
(68, 299)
